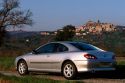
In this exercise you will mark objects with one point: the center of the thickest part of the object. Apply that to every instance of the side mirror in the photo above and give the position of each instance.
(34, 52)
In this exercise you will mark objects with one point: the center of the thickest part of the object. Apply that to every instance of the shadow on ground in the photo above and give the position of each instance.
(103, 75)
(119, 73)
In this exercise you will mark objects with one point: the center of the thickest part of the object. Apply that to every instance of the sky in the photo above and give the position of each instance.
(50, 15)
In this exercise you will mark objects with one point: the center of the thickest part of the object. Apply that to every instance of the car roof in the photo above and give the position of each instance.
(69, 42)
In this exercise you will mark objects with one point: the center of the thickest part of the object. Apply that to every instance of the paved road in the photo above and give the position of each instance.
(99, 77)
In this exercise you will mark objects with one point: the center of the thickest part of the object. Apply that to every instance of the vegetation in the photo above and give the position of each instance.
(110, 41)
(7, 63)
(30, 79)
(17, 46)
(120, 65)
(67, 33)
(11, 16)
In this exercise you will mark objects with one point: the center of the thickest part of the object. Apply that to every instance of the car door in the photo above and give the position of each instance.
(55, 58)
(39, 60)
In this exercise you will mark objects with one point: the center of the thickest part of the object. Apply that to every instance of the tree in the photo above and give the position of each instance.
(67, 33)
(11, 16)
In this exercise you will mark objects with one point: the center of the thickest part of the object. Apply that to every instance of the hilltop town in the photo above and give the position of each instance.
(90, 27)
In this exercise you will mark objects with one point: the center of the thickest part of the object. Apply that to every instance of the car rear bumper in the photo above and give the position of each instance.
(87, 65)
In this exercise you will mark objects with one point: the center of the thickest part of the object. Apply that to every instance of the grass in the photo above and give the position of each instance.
(29, 79)
(7, 63)
(120, 62)
(120, 65)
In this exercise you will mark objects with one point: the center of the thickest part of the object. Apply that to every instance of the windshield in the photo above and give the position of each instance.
(84, 46)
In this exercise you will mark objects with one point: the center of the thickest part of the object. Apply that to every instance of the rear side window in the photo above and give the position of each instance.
(84, 47)
(60, 48)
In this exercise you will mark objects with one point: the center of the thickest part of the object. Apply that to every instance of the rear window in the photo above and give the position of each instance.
(84, 47)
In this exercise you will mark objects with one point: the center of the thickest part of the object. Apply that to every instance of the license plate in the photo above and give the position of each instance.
(105, 64)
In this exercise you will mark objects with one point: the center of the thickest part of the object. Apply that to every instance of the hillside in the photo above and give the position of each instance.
(22, 34)
(17, 43)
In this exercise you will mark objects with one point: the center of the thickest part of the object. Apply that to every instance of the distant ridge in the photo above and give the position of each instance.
(22, 34)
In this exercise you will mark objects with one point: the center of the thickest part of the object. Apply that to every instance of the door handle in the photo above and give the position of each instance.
(48, 56)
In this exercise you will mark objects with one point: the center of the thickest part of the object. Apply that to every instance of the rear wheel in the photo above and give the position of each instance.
(22, 68)
(69, 70)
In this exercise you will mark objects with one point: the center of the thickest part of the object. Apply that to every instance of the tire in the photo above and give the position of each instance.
(69, 70)
(22, 67)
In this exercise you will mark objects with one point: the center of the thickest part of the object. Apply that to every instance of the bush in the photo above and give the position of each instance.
(66, 34)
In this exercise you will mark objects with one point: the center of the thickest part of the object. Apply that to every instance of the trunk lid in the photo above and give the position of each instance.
(102, 54)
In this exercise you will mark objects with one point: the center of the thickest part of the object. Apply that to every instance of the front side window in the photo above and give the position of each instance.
(49, 48)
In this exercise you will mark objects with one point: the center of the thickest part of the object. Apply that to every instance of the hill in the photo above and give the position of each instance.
(22, 34)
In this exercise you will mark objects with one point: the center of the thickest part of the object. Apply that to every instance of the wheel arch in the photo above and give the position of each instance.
(20, 60)
(68, 60)
(25, 67)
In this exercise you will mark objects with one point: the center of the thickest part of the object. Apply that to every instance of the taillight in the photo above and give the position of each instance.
(89, 56)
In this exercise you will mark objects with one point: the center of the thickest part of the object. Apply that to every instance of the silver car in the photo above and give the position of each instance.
(68, 58)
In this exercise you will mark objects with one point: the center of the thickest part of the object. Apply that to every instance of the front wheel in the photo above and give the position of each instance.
(69, 70)
(22, 68)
